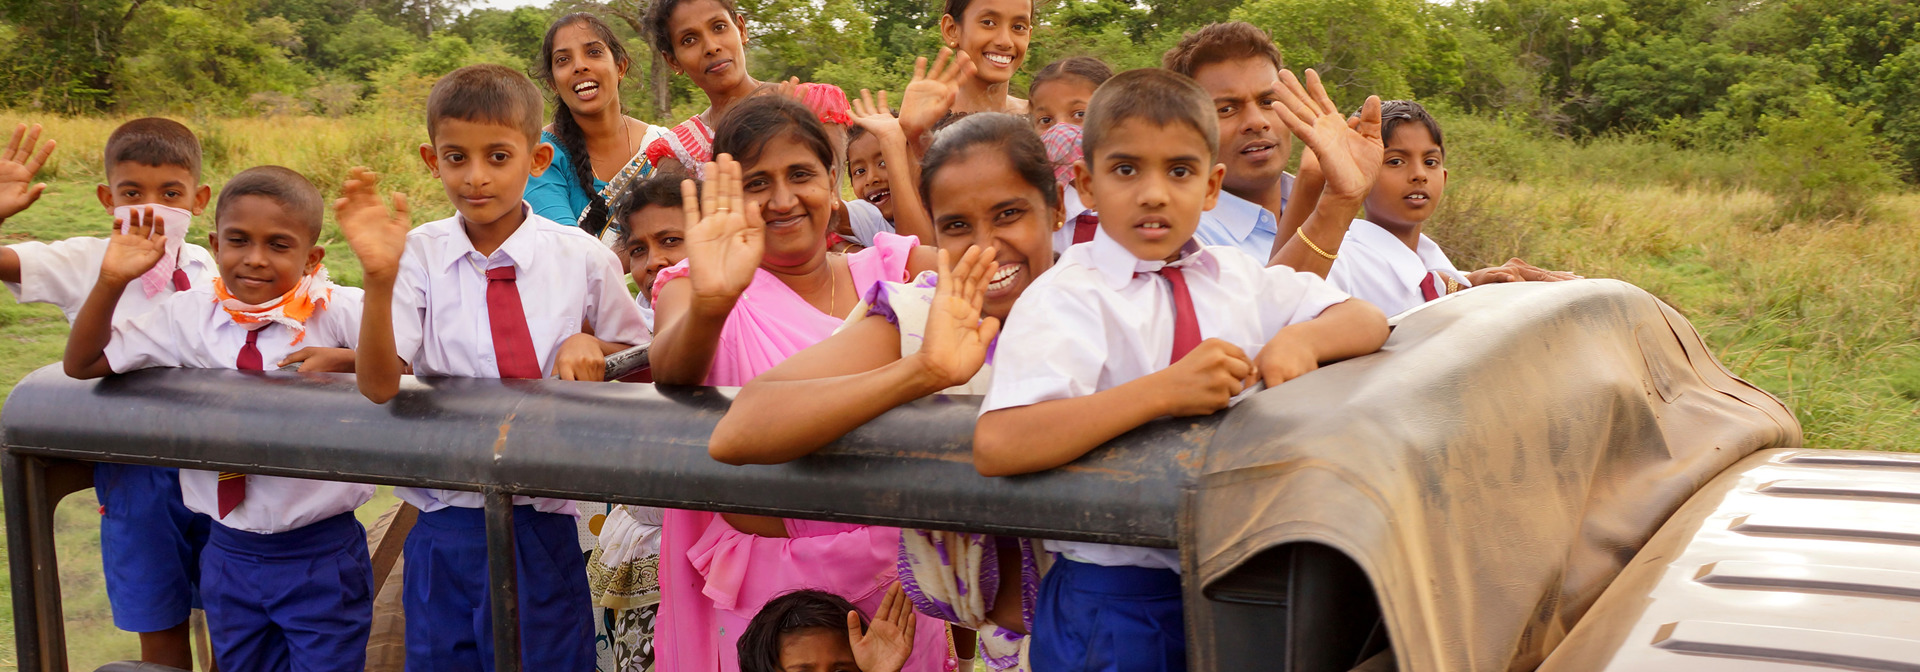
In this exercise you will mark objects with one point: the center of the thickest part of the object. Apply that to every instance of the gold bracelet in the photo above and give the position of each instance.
(1452, 284)
(1301, 233)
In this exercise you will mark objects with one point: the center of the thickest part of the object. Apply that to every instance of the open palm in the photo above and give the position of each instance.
(17, 168)
(725, 235)
(888, 641)
(135, 246)
(378, 236)
(930, 95)
(1349, 151)
(956, 339)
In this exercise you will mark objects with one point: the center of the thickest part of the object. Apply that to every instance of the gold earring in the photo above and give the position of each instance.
(1059, 225)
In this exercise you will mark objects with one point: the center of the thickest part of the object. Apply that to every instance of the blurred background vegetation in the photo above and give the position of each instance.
(1751, 162)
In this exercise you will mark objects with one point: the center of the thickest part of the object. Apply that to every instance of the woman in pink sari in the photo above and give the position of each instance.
(758, 286)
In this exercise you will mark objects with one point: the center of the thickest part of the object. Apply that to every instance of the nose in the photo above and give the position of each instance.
(781, 199)
(1152, 193)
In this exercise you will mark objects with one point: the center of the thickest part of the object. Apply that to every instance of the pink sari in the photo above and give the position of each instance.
(713, 578)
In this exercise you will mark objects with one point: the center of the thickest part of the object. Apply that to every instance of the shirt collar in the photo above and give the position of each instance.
(519, 248)
(1241, 217)
(1071, 204)
(1117, 265)
(1407, 266)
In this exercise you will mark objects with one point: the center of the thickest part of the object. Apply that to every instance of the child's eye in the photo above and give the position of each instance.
(1124, 170)
(1181, 172)
(859, 172)
(456, 157)
(1046, 121)
(883, 164)
(1079, 114)
(173, 194)
(130, 194)
(1395, 162)
(1433, 163)
(1019, 27)
(1009, 214)
(498, 157)
(987, 22)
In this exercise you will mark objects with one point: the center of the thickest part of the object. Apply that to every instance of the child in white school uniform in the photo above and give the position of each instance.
(149, 542)
(492, 292)
(1387, 258)
(1138, 324)
(285, 571)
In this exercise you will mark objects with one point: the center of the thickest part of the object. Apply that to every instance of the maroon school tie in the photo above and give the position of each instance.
(512, 340)
(180, 283)
(1186, 326)
(233, 486)
(1430, 287)
(1084, 225)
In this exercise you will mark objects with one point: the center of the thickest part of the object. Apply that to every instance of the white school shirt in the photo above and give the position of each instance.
(1072, 207)
(1239, 223)
(440, 323)
(867, 221)
(1102, 317)
(62, 273)
(1376, 266)
(190, 330)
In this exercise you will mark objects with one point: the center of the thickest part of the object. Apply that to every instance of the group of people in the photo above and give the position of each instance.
(1112, 249)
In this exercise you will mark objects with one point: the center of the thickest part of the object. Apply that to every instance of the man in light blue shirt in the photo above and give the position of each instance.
(1238, 66)
(1238, 222)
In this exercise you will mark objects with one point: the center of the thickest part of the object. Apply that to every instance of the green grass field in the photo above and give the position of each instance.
(1823, 314)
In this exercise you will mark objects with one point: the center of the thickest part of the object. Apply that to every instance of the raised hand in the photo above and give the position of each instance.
(134, 248)
(877, 118)
(955, 345)
(931, 94)
(377, 236)
(888, 641)
(725, 238)
(1349, 151)
(17, 168)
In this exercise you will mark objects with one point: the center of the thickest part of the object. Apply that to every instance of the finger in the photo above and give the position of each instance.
(34, 195)
(989, 328)
(120, 227)
(157, 224)
(401, 212)
(884, 107)
(1370, 118)
(940, 61)
(944, 266)
(13, 145)
(964, 68)
(920, 67)
(1318, 90)
(26, 145)
(908, 623)
(40, 158)
(300, 355)
(853, 626)
(1293, 107)
(710, 198)
(689, 204)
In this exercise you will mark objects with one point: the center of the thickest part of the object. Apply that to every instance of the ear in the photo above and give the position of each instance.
(949, 31)
(314, 255)
(105, 194)
(200, 200)
(1060, 201)
(213, 241)
(542, 157)
(740, 24)
(1083, 183)
(1214, 180)
(429, 157)
(672, 63)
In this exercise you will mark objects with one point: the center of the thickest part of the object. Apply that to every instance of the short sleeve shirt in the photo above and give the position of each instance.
(1377, 267)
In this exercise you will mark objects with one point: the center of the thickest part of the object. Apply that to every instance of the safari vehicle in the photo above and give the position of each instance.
(1552, 476)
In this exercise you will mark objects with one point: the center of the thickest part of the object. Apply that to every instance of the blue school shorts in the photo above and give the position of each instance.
(149, 546)
(1093, 618)
(296, 600)
(449, 606)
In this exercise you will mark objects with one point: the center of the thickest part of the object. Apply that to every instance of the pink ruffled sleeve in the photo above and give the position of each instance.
(660, 280)
(886, 261)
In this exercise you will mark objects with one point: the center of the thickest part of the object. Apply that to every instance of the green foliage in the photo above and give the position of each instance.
(207, 61)
(1824, 160)
(1359, 47)
(365, 44)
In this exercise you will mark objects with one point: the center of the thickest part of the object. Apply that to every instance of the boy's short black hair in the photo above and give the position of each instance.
(1220, 42)
(295, 194)
(489, 94)
(1393, 113)
(1084, 67)
(793, 612)
(1159, 96)
(154, 141)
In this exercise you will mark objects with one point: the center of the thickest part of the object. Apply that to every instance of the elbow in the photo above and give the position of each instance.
(77, 371)
(377, 393)
(727, 447)
(992, 457)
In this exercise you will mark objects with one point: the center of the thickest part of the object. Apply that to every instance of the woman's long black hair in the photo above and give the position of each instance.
(573, 141)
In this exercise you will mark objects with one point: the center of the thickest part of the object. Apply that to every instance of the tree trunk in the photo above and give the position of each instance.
(662, 94)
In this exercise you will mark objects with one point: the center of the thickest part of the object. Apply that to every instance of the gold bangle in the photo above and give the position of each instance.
(1452, 284)
(1301, 233)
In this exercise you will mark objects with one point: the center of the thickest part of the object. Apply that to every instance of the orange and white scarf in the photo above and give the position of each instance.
(291, 309)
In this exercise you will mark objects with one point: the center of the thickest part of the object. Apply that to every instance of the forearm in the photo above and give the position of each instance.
(910, 216)
(775, 421)
(1326, 226)
(1344, 330)
(9, 265)
(1050, 434)
(682, 353)
(377, 365)
(86, 355)
(1300, 206)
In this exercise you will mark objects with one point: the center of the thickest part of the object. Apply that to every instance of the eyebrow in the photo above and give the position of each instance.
(163, 185)
(1130, 157)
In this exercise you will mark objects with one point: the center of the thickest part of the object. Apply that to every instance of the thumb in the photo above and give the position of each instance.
(34, 193)
(300, 355)
(401, 212)
(989, 328)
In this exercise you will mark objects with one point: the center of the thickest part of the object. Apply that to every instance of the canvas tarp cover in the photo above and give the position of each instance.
(1492, 471)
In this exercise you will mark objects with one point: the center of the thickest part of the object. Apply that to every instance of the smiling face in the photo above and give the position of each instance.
(709, 45)
(995, 34)
(816, 650)
(585, 75)
(1254, 146)
(656, 237)
(995, 208)
(868, 169)
(135, 183)
(796, 196)
(1150, 183)
(1413, 176)
(1062, 100)
(262, 249)
(484, 167)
